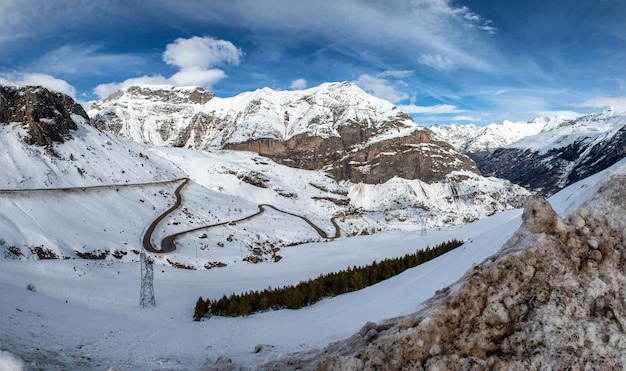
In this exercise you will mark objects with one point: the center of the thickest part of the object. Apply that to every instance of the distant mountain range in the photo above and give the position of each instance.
(546, 154)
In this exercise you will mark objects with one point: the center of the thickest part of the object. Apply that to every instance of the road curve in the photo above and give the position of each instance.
(168, 244)
(147, 237)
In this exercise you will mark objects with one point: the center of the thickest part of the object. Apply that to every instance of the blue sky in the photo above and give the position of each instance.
(442, 61)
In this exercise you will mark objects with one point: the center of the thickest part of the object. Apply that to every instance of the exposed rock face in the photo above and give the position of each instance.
(552, 298)
(47, 115)
(153, 115)
(414, 156)
(335, 127)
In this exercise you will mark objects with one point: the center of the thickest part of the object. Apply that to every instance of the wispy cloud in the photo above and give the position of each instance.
(467, 118)
(437, 61)
(373, 31)
(80, 59)
(380, 88)
(438, 109)
(604, 102)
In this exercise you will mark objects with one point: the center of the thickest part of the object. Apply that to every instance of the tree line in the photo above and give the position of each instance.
(327, 285)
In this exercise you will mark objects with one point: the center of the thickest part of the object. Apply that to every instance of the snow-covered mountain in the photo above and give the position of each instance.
(47, 142)
(335, 127)
(539, 301)
(555, 287)
(562, 153)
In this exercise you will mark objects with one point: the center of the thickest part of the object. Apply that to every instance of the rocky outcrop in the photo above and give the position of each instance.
(46, 115)
(552, 298)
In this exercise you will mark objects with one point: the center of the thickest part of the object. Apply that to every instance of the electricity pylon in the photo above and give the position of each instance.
(146, 297)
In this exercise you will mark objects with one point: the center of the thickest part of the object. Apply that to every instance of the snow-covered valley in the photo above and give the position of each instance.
(75, 214)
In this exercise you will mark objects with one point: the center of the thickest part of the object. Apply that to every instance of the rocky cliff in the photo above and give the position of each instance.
(335, 127)
(47, 115)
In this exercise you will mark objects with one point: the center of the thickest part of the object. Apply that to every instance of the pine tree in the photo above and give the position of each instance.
(201, 309)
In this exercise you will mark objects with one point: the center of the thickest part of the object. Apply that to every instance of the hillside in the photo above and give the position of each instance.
(551, 297)
(84, 314)
(561, 154)
(479, 141)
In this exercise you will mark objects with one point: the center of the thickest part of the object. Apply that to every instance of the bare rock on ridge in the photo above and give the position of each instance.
(47, 115)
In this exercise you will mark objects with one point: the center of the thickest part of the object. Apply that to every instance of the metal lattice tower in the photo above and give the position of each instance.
(146, 297)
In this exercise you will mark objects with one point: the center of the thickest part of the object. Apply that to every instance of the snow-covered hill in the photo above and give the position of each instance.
(551, 298)
(115, 187)
(546, 153)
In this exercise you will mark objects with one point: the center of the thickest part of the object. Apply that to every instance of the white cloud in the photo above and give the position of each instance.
(201, 53)
(604, 102)
(298, 84)
(436, 109)
(196, 76)
(194, 56)
(396, 74)
(42, 79)
(437, 61)
(380, 88)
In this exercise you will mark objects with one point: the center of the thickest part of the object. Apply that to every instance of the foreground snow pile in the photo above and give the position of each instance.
(552, 297)
(9, 362)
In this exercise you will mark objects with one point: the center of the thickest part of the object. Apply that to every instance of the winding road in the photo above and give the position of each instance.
(168, 244)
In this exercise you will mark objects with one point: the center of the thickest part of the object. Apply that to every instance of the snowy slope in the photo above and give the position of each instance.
(584, 131)
(84, 314)
(91, 158)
